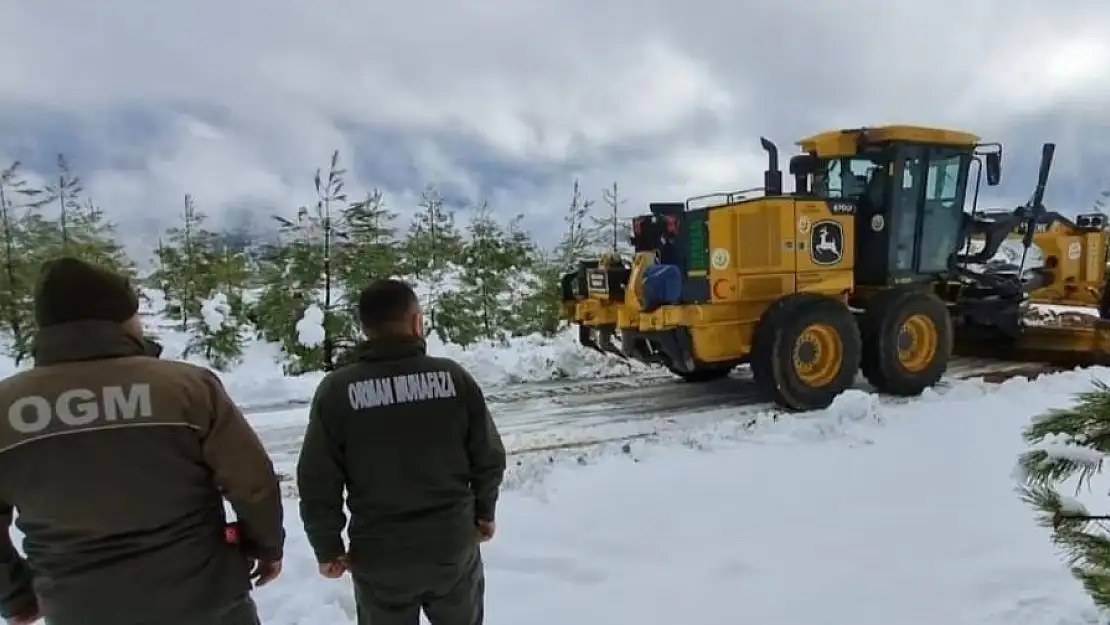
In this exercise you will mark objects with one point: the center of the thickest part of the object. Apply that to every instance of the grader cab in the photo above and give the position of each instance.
(864, 267)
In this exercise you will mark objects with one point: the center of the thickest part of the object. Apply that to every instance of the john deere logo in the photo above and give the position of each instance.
(826, 243)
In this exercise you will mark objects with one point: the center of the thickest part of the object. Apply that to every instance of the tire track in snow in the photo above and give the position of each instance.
(518, 392)
(581, 422)
(562, 417)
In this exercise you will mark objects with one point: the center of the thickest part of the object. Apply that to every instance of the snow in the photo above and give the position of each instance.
(1061, 447)
(1008, 257)
(874, 511)
(1072, 506)
(310, 328)
(868, 513)
(215, 311)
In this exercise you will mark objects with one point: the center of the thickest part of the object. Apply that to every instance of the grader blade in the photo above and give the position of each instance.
(586, 338)
(1067, 345)
(607, 343)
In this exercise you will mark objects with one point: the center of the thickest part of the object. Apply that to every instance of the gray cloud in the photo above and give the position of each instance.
(237, 102)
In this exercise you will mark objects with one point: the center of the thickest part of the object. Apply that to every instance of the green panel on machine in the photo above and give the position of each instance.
(697, 248)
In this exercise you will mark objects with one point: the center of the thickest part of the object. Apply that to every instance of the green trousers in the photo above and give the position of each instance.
(451, 593)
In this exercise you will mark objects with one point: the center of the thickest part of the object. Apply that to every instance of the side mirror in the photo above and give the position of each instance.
(994, 168)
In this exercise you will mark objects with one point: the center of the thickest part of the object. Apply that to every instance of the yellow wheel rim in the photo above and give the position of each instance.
(818, 355)
(917, 343)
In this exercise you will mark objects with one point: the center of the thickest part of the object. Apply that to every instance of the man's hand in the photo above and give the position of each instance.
(30, 616)
(486, 530)
(336, 568)
(265, 571)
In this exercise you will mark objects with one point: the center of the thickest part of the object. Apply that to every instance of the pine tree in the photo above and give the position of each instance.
(328, 194)
(65, 193)
(542, 301)
(540, 294)
(1072, 444)
(369, 248)
(611, 233)
(431, 251)
(19, 271)
(522, 279)
(483, 307)
(185, 266)
(92, 237)
(577, 239)
(301, 275)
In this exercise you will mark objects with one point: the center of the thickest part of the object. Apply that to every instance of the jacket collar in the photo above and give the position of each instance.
(89, 340)
(390, 348)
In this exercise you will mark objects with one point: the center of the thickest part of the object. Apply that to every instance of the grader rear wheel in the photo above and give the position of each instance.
(907, 341)
(806, 351)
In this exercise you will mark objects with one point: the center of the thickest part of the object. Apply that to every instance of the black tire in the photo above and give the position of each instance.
(707, 373)
(779, 335)
(894, 362)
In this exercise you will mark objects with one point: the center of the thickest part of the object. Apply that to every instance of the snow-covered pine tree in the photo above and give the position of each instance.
(184, 267)
(1070, 445)
(281, 299)
(540, 293)
(64, 192)
(329, 193)
(300, 276)
(222, 331)
(612, 232)
(293, 283)
(19, 271)
(483, 307)
(523, 281)
(431, 251)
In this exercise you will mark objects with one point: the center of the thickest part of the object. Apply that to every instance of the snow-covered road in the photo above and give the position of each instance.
(573, 415)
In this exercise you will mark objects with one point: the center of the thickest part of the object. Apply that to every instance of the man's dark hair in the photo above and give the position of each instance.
(385, 303)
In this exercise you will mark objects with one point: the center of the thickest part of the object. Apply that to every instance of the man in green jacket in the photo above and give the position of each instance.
(118, 464)
(410, 438)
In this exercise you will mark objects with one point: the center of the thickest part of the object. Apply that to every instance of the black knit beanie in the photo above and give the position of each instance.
(71, 290)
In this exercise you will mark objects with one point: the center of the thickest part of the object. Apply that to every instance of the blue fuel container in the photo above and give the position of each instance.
(662, 286)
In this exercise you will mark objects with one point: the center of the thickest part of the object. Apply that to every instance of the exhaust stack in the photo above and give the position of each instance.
(772, 178)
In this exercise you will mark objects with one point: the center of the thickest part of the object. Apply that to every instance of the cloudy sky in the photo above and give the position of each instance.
(238, 101)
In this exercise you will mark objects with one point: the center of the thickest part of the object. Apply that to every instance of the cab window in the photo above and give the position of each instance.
(844, 177)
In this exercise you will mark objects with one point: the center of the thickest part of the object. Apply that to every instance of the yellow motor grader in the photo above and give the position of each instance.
(863, 268)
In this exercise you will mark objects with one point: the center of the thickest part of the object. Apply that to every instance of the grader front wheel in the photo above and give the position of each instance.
(907, 341)
(806, 351)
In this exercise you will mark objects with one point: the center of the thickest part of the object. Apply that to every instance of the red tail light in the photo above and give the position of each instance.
(672, 223)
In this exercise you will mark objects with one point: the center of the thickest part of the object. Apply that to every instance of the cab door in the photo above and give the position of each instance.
(926, 209)
(906, 194)
(942, 209)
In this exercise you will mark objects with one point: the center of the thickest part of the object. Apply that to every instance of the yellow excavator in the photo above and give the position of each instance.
(865, 267)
